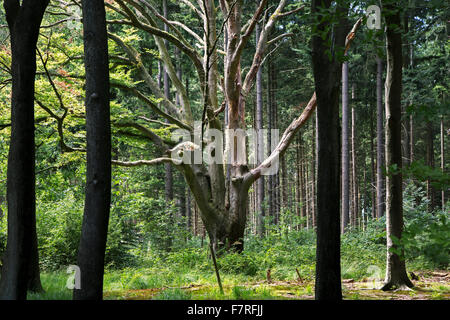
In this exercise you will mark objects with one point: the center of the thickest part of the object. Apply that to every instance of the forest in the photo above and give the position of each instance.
(224, 150)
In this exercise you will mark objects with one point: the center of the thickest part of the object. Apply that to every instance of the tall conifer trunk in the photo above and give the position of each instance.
(21, 266)
(396, 276)
(91, 252)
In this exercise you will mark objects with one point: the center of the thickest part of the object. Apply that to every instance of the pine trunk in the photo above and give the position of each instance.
(327, 77)
(396, 276)
(20, 269)
(345, 149)
(91, 252)
(380, 204)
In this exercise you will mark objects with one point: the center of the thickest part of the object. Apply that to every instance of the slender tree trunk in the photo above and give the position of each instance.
(316, 155)
(276, 177)
(307, 196)
(188, 211)
(430, 162)
(327, 77)
(260, 143)
(91, 252)
(354, 174)
(313, 176)
(380, 205)
(396, 275)
(372, 167)
(284, 183)
(270, 125)
(182, 194)
(297, 180)
(168, 189)
(166, 83)
(302, 185)
(411, 139)
(442, 161)
(20, 269)
(345, 149)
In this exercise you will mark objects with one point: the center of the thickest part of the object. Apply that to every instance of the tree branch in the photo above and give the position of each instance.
(145, 162)
(289, 133)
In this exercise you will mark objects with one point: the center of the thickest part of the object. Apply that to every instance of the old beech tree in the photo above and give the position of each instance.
(220, 191)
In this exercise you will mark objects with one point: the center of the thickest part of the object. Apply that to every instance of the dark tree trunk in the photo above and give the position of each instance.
(327, 77)
(91, 252)
(380, 205)
(345, 149)
(396, 276)
(20, 269)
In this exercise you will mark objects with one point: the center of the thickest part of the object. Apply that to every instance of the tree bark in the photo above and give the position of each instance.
(396, 276)
(430, 163)
(20, 269)
(411, 139)
(260, 143)
(380, 205)
(298, 185)
(442, 161)
(345, 149)
(372, 167)
(355, 214)
(270, 125)
(91, 252)
(302, 184)
(166, 83)
(313, 176)
(327, 77)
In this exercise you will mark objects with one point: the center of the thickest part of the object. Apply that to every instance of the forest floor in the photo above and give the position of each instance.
(431, 285)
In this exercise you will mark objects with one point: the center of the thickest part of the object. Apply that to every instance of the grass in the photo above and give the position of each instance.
(55, 288)
(148, 284)
(188, 273)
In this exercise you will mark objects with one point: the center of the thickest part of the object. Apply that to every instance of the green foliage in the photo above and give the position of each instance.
(426, 237)
(55, 288)
(173, 294)
(245, 263)
(58, 228)
(362, 251)
(418, 170)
